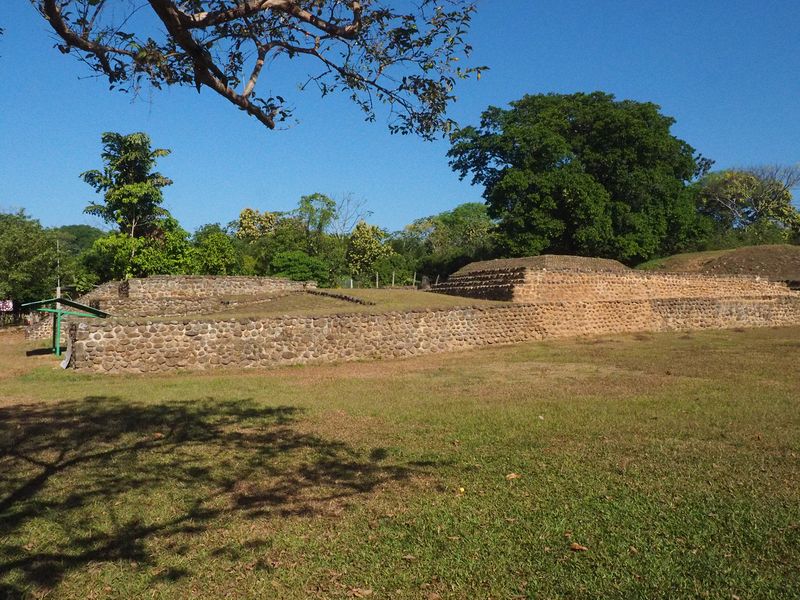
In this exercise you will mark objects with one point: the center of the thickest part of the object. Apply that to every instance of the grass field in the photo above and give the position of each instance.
(379, 301)
(674, 459)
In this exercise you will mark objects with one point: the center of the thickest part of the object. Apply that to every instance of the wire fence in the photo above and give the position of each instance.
(391, 280)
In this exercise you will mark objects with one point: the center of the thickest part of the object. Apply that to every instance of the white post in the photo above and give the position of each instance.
(58, 278)
(415, 279)
(376, 281)
(392, 278)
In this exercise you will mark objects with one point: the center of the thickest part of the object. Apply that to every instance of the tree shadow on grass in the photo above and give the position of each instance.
(102, 480)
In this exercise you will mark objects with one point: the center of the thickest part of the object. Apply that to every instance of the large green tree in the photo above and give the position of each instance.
(300, 266)
(213, 252)
(75, 239)
(752, 198)
(27, 259)
(131, 190)
(253, 224)
(583, 174)
(316, 212)
(120, 256)
(365, 248)
(442, 243)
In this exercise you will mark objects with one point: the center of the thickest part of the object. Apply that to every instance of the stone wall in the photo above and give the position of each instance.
(533, 285)
(201, 286)
(636, 285)
(174, 307)
(40, 327)
(106, 291)
(175, 295)
(171, 295)
(118, 346)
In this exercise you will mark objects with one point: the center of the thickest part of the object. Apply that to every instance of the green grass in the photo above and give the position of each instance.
(674, 458)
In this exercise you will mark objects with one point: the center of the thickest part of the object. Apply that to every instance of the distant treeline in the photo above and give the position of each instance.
(579, 174)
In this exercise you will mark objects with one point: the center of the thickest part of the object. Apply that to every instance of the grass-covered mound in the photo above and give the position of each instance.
(778, 261)
(545, 261)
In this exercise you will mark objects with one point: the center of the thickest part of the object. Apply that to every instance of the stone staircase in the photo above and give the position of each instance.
(495, 284)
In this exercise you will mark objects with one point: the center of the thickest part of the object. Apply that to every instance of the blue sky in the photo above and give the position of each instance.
(727, 71)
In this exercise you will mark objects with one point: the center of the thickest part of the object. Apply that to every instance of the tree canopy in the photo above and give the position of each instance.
(365, 248)
(27, 259)
(582, 174)
(743, 198)
(404, 54)
(445, 242)
(132, 194)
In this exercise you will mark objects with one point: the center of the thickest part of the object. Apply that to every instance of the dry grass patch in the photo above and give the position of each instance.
(303, 304)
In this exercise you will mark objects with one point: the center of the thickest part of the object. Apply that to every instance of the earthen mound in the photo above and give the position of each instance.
(779, 261)
(551, 262)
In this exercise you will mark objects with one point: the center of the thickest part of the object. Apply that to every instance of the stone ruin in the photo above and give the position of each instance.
(543, 297)
(178, 295)
(550, 278)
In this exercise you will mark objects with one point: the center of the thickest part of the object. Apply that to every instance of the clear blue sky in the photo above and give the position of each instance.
(728, 71)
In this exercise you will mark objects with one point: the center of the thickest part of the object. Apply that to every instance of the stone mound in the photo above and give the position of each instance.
(551, 262)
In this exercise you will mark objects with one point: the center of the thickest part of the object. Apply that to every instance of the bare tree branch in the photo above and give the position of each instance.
(368, 49)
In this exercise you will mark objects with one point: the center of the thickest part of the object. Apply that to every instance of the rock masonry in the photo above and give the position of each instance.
(523, 284)
(172, 296)
(565, 298)
(143, 347)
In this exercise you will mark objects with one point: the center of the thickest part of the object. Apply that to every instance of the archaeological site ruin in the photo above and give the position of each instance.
(535, 298)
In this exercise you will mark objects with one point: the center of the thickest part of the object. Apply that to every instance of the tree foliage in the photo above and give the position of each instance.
(406, 55)
(300, 266)
(27, 259)
(73, 242)
(366, 247)
(75, 239)
(253, 224)
(581, 174)
(213, 252)
(444, 242)
(120, 256)
(397, 268)
(316, 212)
(131, 191)
(751, 198)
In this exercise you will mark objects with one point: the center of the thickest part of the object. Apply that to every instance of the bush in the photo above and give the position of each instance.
(299, 266)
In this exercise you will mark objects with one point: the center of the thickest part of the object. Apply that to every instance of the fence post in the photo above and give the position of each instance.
(392, 278)
(415, 279)
(376, 281)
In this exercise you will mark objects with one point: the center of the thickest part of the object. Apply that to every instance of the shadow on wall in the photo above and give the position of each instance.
(104, 480)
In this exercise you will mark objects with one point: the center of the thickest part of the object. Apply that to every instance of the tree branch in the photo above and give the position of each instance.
(52, 13)
(365, 48)
(208, 19)
(206, 72)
